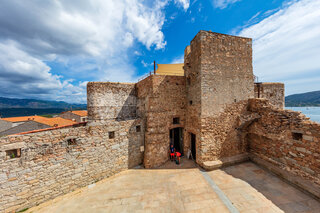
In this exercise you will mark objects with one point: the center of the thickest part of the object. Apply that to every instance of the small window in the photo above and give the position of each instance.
(138, 128)
(190, 102)
(72, 141)
(14, 153)
(297, 136)
(235, 100)
(176, 120)
(111, 135)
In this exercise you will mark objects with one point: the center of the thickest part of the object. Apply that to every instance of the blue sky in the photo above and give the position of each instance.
(51, 49)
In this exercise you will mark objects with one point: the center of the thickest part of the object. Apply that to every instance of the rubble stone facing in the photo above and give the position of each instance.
(49, 167)
(271, 138)
(161, 98)
(192, 67)
(274, 92)
(222, 135)
(220, 80)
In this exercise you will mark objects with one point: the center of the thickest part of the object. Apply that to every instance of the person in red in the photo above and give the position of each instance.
(171, 152)
(178, 155)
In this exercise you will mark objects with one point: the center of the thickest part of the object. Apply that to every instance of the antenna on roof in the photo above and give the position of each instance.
(154, 67)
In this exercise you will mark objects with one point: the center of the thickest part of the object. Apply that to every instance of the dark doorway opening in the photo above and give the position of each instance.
(193, 145)
(176, 138)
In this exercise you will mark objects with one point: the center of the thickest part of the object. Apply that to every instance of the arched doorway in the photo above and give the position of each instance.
(176, 138)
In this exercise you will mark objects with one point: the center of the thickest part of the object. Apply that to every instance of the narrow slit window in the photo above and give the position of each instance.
(138, 128)
(111, 135)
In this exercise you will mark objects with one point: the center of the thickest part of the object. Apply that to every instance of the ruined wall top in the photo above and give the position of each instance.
(111, 101)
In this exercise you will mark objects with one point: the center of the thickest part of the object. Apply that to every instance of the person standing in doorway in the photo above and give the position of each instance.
(171, 152)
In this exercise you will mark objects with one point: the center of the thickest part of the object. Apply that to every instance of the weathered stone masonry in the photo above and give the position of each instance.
(49, 166)
(56, 162)
(286, 143)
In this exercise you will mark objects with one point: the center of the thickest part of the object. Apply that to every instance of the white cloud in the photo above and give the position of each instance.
(286, 46)
(178, 60)
(222, 4)
(91, 38)
(145, 64)
(25, 76)
(183, 3)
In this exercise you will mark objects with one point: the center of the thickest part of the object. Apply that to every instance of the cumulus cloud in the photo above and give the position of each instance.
(183, 3)
(91, 37)
(286, 46)
(222, 4)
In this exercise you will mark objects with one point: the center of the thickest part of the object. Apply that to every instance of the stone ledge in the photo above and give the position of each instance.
(228, 161)
(304, 185)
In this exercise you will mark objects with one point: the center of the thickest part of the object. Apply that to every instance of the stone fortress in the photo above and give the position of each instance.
(212, 110)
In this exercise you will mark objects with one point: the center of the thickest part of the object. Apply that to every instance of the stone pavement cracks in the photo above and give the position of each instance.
(183, 188)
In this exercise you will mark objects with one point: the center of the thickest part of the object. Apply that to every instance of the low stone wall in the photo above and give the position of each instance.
(41, 166)
(287, 143)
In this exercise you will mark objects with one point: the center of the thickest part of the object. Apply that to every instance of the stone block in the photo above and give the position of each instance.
(307, 137)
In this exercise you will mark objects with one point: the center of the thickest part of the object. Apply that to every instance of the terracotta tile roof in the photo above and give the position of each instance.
(20, 119)
(55, 122)
(81, 113)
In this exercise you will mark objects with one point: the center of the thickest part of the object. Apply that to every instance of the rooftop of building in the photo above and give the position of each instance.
(54, 122)
(81, 113)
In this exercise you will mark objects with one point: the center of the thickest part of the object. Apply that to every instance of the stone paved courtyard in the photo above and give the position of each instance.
(183, 188)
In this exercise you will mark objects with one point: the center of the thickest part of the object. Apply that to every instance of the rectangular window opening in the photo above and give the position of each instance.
(176, 120)
(297, 136)
(111, 135)
(138, 128)
(72, 141)
(13, 153)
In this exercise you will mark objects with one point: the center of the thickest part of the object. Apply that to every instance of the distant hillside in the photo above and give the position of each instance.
(304, 99)
(11, 107)
(36, 104)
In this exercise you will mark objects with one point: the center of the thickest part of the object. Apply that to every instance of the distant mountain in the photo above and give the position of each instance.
(37, 104)
(11, 107)
(304, 99)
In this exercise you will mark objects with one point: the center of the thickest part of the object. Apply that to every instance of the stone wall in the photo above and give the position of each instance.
(56, 162)
(110, 101)
(287, 143)
(226, 71)
(161, 98)
(274, 92)
(192, 69)
(220, 71)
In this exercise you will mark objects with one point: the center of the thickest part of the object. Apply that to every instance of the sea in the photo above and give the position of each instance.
(312, 112)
